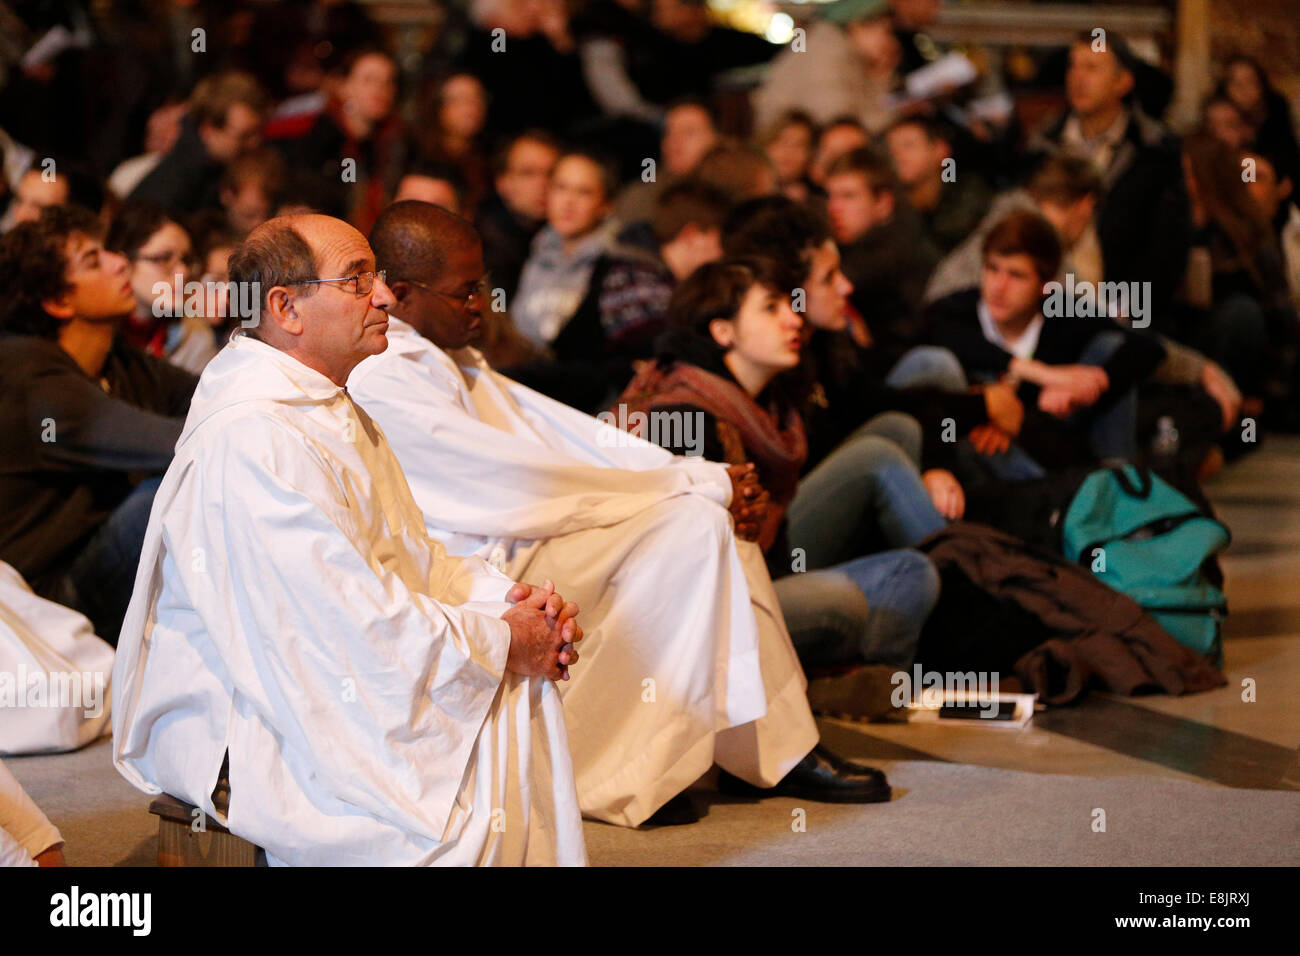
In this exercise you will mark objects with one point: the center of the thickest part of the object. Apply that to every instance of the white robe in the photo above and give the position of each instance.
(55, 674)
(687, 661)
(291, 609)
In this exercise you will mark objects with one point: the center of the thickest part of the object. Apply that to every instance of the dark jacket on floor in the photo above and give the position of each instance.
(1005, 606)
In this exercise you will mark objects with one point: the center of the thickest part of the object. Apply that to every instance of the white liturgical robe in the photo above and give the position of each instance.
(54, 673)
(686, 661)
(291, 610)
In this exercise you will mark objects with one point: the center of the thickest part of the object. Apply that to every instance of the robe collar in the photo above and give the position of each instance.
(248, 370)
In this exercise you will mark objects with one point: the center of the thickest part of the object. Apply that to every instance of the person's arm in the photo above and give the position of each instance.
(31, 838)
(470, 477)
(604, 67)
(80, 426)
(1131, 364)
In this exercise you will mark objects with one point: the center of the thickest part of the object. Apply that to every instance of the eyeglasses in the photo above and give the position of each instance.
(479, 291)
(362, 282)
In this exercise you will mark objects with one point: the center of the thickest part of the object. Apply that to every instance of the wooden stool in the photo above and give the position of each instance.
(180, 845)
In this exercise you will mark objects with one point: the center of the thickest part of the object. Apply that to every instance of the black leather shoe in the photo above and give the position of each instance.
(676, 812)
(822, 776)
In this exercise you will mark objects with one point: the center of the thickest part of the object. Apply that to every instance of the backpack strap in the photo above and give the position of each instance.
(1143, 490)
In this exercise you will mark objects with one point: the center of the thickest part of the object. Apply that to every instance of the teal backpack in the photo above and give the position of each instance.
(1148, 540)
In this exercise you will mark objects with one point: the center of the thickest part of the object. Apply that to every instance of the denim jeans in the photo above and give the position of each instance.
(927, 366)
(870, 609)
(100, 580)
(865, 496)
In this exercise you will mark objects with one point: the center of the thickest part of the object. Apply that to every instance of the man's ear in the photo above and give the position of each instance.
(1284, 188)
(59, 308)
(722, 332)
(283, 311)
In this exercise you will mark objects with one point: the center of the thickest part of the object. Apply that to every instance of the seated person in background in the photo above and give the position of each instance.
(359, 123)
(950, 201)
(579, 231)
(886, 254)
(1274, 193)
(375, 700)
(1222, 120)
(1143, 223)
(838, 137)
(1064, 191)
(516, 211)
(848, 396)
(623, 310)
(249, 189)
(733, 335)
(451, 136)
(788, 142)
(161, 256)
(84, 416)
(690, 131)
(851, 70)
(38, 189)
(544, 491)
(1076, 375)
(223, 122)
(1237, 301)
(1265, 110)
(432, 183)
(740, 169)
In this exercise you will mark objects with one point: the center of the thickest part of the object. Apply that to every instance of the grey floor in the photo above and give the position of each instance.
(1210, 779)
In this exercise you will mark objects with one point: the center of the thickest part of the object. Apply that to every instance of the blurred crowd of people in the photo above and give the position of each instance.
(651, 187)
(869, 264)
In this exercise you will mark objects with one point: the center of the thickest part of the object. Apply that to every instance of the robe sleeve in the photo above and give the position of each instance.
(376, 690)
(471, 477)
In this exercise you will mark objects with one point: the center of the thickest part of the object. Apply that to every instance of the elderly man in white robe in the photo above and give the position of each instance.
(374, 700)
(688, 661)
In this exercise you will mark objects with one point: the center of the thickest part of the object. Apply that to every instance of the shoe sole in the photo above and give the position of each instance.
(882, 794)
(850, 796)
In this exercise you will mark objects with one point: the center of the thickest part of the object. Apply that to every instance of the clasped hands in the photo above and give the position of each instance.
(543, 632)
(749, 501)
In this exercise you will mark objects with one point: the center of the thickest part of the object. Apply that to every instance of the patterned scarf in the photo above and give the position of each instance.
(772, 438)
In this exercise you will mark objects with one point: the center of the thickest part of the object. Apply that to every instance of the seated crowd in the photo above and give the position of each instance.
(315, 407)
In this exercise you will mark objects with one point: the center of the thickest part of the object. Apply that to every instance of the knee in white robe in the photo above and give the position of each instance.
(686, 660)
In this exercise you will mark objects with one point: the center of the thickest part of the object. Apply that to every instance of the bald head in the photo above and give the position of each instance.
(327, 325)
(416, 240)
(434, 261)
